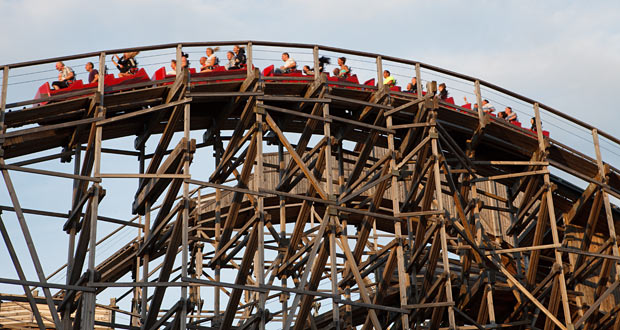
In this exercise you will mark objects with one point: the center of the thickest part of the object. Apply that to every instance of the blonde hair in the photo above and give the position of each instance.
(213, 50)
(132, 54)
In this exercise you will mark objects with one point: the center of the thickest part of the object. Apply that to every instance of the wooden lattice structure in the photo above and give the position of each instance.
(351, 205)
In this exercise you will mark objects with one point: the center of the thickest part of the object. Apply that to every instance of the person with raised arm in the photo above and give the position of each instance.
(127, 64)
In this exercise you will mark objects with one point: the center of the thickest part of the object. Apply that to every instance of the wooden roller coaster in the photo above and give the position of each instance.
(327, 204)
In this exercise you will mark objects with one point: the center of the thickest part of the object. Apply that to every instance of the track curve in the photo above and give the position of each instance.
(396, 209)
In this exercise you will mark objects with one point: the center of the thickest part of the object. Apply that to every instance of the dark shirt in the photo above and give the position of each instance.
(125, 65)
(92, 74)
(239, 59)
(413, 89)
(443, 94)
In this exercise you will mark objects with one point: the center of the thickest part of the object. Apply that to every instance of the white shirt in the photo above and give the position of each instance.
(488, 108)
(290, 63)
(214, 59)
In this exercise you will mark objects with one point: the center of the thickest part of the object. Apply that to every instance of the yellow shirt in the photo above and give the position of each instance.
(390, 81)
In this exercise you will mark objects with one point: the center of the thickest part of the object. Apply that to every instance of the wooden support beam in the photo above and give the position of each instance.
(295, 156)
(233, 210)
(29, 242)
(22, 276)
(242, 275)
(301, 285)
(152, 188)
(164, 274)
(176, 90)
(352, 265)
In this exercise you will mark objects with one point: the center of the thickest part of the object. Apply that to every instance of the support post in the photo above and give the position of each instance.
(5, 85)
(249, 58)
(179, 57)
(315, 56)
(444, 238)
(608, 211)
(332, 235)
(89, 298)
(403, 279)
(259, 263)
(479, 101)
(418, 81)
(553, 223)
(185, 225)
(380, 73)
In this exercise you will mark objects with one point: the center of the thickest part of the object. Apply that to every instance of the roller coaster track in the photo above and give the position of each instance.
(326, 204)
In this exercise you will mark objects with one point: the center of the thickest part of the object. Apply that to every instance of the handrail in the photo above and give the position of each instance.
(331, 49)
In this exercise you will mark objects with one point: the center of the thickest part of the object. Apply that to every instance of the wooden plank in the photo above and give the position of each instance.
(361, 124)
(510, 175)
(164, 274)
(295, 156)
(145, 111)
(201, 96)
(49, 127)
(242, 274)
(174, 92)
(354, 101)
(594, 307)
(295, 113)
(278, 98)
(20, 272)
(153, 188)
(48, 173)
(29, 242)
(233, 210)
(352, 265)
(301, 285)
(406, 106)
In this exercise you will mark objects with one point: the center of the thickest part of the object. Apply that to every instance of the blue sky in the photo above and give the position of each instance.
(563, 53)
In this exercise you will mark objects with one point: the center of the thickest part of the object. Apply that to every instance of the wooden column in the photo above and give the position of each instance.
(145, 261)
(89, 298)
(179, 58)
(329, 168)
(315, 57)
(444, 239)
(185, 225)
(249, 59)
(418, 82)
(479, 101)
(403, 279)
(380, 74)
(282, 212)
(608, 211)
(259, 262)
(3, 94)
(66, 316)
(218, 230)
(553, 223)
